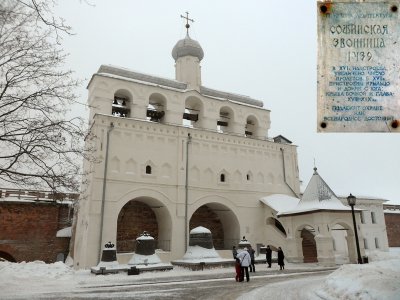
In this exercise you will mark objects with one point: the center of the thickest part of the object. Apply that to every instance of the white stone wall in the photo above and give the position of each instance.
(252, 166)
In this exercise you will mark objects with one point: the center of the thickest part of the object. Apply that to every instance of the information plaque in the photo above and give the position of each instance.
(358, 66)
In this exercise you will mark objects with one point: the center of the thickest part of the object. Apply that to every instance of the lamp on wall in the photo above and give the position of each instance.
(351, 200)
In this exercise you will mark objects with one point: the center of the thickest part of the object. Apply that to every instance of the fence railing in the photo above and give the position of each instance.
(27, 194)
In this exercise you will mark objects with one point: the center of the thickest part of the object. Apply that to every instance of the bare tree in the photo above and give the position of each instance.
(39, 146)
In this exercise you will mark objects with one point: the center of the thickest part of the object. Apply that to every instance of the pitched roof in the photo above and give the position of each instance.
(318, 196)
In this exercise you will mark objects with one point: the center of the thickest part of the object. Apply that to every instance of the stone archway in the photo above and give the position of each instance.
(309, 246)
(142, 214)
(343, 242)
(221, 221)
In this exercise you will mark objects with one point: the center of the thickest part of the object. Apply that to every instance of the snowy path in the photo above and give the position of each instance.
(215, 288)
(297, 288)
(380, 279)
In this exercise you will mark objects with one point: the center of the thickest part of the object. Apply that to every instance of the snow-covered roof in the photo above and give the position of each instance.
(127, 74)
(317, 196)
(317, 189)
(65, 232)
(280, 202)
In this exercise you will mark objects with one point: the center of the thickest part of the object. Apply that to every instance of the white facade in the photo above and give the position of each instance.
(177, 146)
(224, 160)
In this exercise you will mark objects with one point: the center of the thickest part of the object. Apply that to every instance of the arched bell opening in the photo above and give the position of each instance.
(225, 120)
(121, 105)
(222, 223)
(251, 126)
(156, 108)
(139, 215)
(193, 112)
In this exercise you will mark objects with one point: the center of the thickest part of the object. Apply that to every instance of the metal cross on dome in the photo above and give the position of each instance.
(187, 21)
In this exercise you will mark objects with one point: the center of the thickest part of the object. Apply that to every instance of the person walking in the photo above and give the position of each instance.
(245, 262)
(281, 257)
(234, 252)
(252, 265)
(268, 254)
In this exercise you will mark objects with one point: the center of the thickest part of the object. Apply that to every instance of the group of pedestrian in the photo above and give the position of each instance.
(245, 259)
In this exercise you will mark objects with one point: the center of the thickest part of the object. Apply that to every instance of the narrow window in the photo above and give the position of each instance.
(248, 177)
(222, 178)
(373, 217)
(148, 169)
(376, 243)
(365, 244)
(334, 244)
(362, 218)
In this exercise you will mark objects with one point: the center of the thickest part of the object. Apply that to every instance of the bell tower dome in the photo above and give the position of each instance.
(187, 54)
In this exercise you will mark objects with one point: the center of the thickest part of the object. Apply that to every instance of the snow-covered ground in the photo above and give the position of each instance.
(380, 279)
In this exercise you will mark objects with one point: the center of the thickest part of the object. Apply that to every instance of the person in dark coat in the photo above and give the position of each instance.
(281, 257)
(268, 254)
(234, 252)
(253, 259)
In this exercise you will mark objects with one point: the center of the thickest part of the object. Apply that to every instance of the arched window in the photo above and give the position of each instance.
(148, 169)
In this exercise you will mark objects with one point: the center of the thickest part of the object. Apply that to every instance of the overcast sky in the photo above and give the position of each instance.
(264, 49)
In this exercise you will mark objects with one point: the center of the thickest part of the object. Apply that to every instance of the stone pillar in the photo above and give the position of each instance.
(293, 251)
(236, 128)
(351, 245)
(206, 123)
(138, 110)
(172, 117)
(325, 251)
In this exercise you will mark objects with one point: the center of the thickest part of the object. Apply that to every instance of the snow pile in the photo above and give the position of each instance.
(200, 253)
(380, 279)
(35, 269)
(32, 279)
